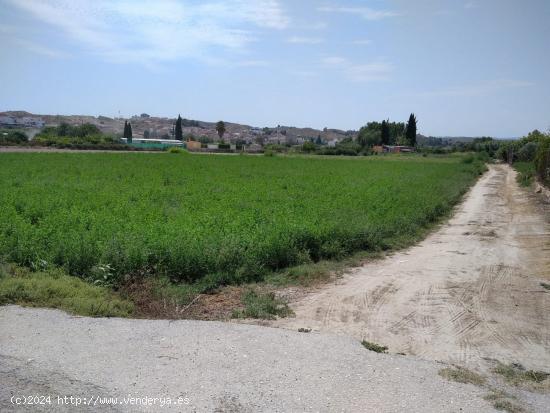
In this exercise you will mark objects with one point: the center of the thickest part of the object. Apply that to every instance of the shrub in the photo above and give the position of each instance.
(542, 160)
(308, 147)
(262, 305)
(527, 152)
(13, 137)
(175, 149)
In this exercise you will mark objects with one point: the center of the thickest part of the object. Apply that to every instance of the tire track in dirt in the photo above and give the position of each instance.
(468, 292)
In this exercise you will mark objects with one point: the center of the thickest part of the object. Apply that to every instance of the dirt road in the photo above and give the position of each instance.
(469, 291)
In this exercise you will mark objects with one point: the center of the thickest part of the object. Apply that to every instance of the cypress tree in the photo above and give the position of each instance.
(129, 133)
(179, 132)
(125, 133)
(385, 133)
(410, 133)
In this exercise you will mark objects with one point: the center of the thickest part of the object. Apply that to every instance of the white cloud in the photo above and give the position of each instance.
(140, 31)
(481, 89)
(360, 72)
(365, 12)
(304, 40)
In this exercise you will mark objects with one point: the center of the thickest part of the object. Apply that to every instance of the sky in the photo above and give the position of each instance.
(465, 68)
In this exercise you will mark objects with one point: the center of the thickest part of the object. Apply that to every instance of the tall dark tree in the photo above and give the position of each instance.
(410, 132)
(385, 133)
(130, 135)
(220, 128)
(179, 132)
(125, 133)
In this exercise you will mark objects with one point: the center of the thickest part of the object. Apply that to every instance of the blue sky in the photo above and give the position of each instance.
(465, 68)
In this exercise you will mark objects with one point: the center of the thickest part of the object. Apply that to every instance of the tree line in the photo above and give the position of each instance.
(388, 133)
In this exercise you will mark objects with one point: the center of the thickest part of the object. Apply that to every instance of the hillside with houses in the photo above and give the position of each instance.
(151, 127)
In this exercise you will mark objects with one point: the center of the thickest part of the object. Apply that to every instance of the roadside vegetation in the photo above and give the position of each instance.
(504, 401)
(462, 375)
(377, 348)
(55, 289)
(201, 222)
(516, 375)
(263, 305)
(530, 155)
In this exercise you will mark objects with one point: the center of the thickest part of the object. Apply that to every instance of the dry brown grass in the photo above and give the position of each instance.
(462, 375)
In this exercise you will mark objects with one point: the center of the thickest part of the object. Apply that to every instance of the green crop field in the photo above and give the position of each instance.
(226, 219)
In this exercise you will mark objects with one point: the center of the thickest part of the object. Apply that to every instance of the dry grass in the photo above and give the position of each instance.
(503, 401)
(158, 298)
(462, 375)
(516, 375)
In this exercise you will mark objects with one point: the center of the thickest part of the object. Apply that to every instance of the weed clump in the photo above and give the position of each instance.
(503, 401)
(262, 305)
(374, 347)
(517, 375)
(462, 375)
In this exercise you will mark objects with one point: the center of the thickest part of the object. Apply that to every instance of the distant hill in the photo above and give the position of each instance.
(159, 127)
